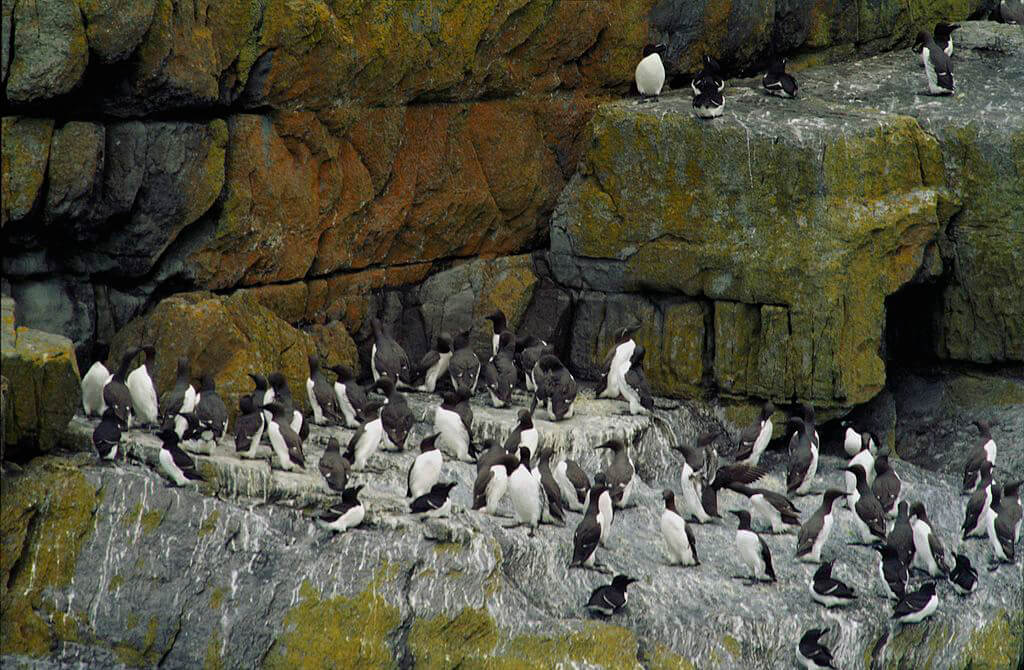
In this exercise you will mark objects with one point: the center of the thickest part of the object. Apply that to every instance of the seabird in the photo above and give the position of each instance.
(852, 440)
(116, 394)
(770, 508)
(573, 483)
(434, 363)
(346, 514)
(321, 394)
(893, 571)
(107, 435)
(650, 71)
(526, 493)
(755, 437)
(285, 442)
(803, 457)
(491, 484)
(753, 550)
(249, 427)
(963, 576)
(531, 352)
(367, 438)
(334, 467)
(777, 81)
(1004, 522)
(453, 420)
(810, 426)
(901, 537)
(869, 518)
(917, 606)
(425, 469)
(984, 451)
(814, 533)
(866, 460)
(811, 653)
(552, 491)
(175, 463)
(490, 453)
(620, 472)
(211, 412)
(732, 473)
(586, 538)
(500, 372)
(928, 552)
(143, 393)
(437, 503)
(605, 511)
(709, 103)
(617, 361)
(94, 381)
(283, 397)
(610, 598)
(499, 325)
(682, 549)
(709, 78)
(396, 416)
(635, 388)
(464, 366)
(976, 513)
(262, 395)
(693, 475)
(829, 591)
(943, 35)
(556, 388)
(181, 399)
(387, 357)
(887, 486)
(523, 434)
(351, 397)
(937, 65)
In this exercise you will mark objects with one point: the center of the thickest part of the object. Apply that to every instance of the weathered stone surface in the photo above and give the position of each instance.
(75, 177)
(49, 51)
(58, 304)
(115, 28)
(43, 386)
(26, 150)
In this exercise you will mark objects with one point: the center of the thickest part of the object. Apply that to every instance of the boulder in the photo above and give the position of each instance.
(26, 149)
(48, 52)
(42, 386)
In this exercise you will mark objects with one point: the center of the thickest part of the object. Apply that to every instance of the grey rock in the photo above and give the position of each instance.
(48, 53)
(63, 304)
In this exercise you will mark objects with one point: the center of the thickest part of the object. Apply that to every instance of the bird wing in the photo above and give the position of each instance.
(788, 83)
(578, 478)
(425, 503)
(766, 556)
(805, 539)
(585, 539)
(428, 361)
(480, 488)
(799, 463)
(1005, 527)
(294, 446)
(185, 463)
(246, 426)
(490, 375)
(910, 603)
(871, 513)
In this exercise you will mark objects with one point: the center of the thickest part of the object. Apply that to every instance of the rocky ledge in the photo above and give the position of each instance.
(109, 565)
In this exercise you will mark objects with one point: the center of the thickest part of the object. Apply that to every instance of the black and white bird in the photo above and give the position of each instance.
(829, 591)
(693, 475)
(811, 653)
(918, 605)
(526, 493)
(810, 426)
(531, 349)
(434, 364)
(814, 533)
(853, 441)
(435, 504)
(107, 435)
(396, 416)
(556, 388)
(620, 473)
(605, 509)
(963, 576)
(499, 325)
(320, 393)
(285, 442)
(770, 509)
(343, 515)
(868, 516)
(464, 366)
(937, 65)
(334, 467)
(777, 81)
(500, 373)
(453, 421)
(901, 537)
(491, 484)
(943, 35)
(678, 536)
(709, 103)
(387, 357)
(894, 572)
(888, 486)
(650, 71)
(181, 399)
(262, 394)
(524, 434)
(490, 452)
(710, 76)
(283, 397)
(211, 412)
(174, 462)
(249, 427)
(350, 396)
(425, 470)
(610, 598)
(552, 491)
(573, 483)
(116, 394)
(803, 457)
(725, 476)
(95, 379)
(755, 437)
(753, 550)
(1004, 523)
(866, 460)
(617, 361)
(929, 554)
(367, 438)
(984, 451)
(636, 389)
(587, 537)
(979, 506)
(143, 393)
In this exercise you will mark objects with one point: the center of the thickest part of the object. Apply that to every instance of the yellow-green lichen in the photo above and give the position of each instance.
(212, 660)
(217, 598)
(151, 520)
(660, 657)
(448, 548)
(115, 583)
(1000, 644)
(209, 523)
(732, 645)
(147, 654)
(445, 642)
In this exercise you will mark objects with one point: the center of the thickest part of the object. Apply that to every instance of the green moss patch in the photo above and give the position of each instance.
(1000, 644)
